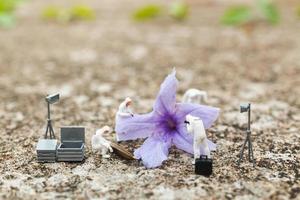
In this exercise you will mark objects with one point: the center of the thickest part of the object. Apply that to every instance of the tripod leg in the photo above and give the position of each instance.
(46, 133)
(52, 132)
(249, 150)
(252, 155)
(242, 152)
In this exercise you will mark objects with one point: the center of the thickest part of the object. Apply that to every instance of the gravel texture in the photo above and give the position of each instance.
(95, 65)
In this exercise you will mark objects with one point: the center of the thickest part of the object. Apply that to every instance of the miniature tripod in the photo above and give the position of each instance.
(247, 108)
(50, 99)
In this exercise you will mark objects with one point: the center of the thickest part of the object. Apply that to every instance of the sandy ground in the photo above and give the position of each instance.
(95, 65)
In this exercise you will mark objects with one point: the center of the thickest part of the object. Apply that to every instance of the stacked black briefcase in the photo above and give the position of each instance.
(203, 166)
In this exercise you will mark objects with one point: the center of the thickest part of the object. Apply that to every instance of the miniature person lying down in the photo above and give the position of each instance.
(194, 96)
(99, 143)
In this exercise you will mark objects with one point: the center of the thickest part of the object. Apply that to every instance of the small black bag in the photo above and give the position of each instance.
(203, 166)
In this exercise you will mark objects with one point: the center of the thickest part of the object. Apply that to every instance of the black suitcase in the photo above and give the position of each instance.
(203, 166)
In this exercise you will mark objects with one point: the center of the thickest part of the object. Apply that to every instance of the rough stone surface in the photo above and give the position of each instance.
(95, 65)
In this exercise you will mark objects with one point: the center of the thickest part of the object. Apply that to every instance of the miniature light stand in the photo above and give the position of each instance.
(247, 108)
(46, 148)
(50, 99)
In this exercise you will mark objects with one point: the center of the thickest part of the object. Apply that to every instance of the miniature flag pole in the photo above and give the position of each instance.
(247, 108)
(50, 99)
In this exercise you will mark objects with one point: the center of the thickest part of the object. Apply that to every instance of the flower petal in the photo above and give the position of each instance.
(138, 126)
(184, 141)
(207, 114)
(166, 98)
(212, 146)
(153, 152)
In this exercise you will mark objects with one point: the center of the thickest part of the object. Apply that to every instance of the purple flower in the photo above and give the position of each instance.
(164, 126)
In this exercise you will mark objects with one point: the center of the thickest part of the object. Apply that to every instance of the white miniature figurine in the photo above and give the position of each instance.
(124, 108)
(195, 127)
(124, 111)
(99, 143)
(194, 96)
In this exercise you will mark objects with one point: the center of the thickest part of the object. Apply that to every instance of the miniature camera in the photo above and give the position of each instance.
(186, 122)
